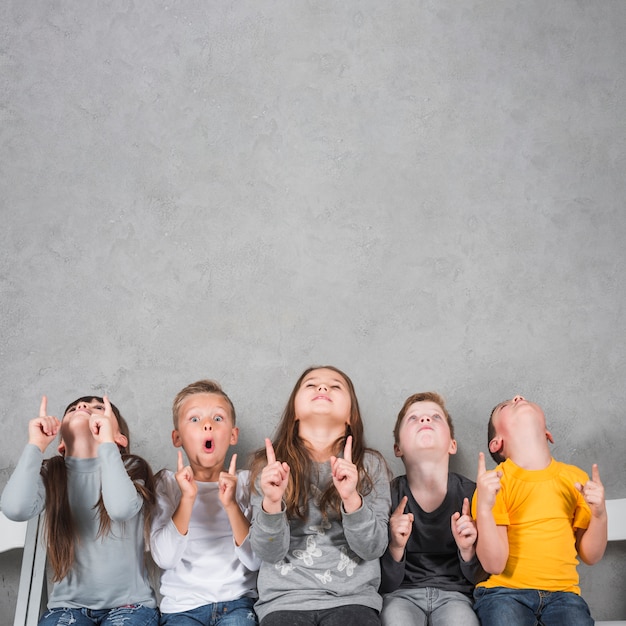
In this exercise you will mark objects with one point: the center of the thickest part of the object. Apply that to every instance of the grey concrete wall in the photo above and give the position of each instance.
(429, 195)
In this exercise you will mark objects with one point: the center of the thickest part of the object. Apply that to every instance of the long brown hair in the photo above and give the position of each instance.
(61, 533)
(291, 448)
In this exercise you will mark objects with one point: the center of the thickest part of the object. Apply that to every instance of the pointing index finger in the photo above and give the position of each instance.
(180, 461)
(233, 465)
(108, 411)
(269, 451)
(347, 451)
(43, 407)
(595, 474)
(466, 507)
(400, 508)
(482, 468)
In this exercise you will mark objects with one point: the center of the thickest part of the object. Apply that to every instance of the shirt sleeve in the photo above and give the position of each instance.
(244, 552)
(366, 529)
(269, 532)
(24, 495)
(119, 494)
(166, 543)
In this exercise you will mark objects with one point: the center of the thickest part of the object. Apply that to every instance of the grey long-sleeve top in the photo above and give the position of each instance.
(322, 563)
(108, 571)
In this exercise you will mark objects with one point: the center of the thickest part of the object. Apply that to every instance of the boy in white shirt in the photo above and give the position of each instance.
(199, 533)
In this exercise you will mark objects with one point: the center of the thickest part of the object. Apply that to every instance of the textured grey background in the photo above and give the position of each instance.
(428, 195)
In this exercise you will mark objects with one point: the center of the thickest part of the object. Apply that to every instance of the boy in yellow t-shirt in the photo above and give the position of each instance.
(534, 516)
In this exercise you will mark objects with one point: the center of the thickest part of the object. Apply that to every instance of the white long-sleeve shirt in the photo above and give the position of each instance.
(205, 565)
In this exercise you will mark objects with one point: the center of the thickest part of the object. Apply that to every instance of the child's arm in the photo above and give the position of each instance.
(167, 544)
(392, 563)
(188, 491)
(24, 495)
(367, 529)
(121, 499)
(346, 478)
(492, 545)
(228, 497)
(400, 526)
(274, 480)
(464, 532)
(591, 542)
(270, 531)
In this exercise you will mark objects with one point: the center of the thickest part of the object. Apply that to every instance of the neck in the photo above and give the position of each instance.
(207, 474)
(532, 454)
(428, 481)
(320, 439)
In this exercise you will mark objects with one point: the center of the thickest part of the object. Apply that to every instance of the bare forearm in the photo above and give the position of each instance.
(492, 546)
(591, 543)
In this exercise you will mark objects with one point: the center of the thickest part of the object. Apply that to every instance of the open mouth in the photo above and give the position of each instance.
(208, 445)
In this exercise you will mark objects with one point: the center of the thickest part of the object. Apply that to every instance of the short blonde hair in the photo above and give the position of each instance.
(200, 386)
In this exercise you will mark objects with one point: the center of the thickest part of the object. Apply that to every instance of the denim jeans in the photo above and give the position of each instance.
(233, 613)
(530, 607)
(427, 606)
(131, 615)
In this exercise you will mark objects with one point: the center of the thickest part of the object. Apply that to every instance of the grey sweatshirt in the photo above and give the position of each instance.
(321, 564)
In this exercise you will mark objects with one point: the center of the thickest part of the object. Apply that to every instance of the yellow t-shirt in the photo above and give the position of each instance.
(542, 509)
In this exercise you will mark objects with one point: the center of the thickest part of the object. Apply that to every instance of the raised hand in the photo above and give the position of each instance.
(464, 531)
(227, 483)
(593, 492)
(274, 480)
(185, 480)
(400, 526)
(43, 429)
(487, 485)
(346, 478)
(102, 425)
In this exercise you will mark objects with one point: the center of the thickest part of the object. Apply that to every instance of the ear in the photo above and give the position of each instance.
(234, 436)
(452, 449)
(396, 450)
(121, 440)
(176, 440)
(549, 436)
(61, 448)
(496, 445)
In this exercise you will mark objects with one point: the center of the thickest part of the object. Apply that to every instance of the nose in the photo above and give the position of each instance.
(322, 387)
(82, 405)
(518, 398)
(425, 418)
(208, 425)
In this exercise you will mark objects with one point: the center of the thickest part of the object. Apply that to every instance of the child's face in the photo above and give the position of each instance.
(205, 430)
(512, 418)
(75, 424)
(323, 394)
(424, 427)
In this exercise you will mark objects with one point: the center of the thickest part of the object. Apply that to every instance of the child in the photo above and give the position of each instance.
(534, 515)
(320, 511)
(200, 530)
(97, 500)
(430, 567)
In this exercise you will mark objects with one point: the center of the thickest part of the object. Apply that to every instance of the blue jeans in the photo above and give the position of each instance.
(233, 613)
(530, 607)
(427, 606)
(131, 615)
